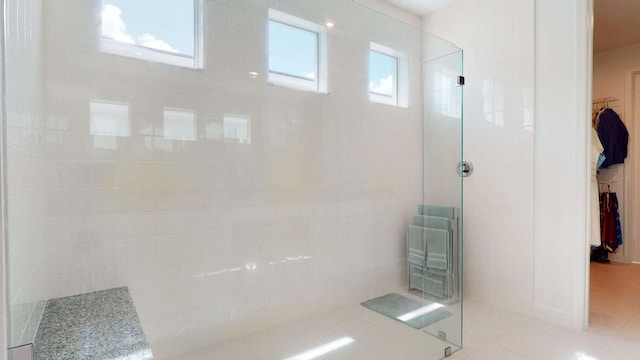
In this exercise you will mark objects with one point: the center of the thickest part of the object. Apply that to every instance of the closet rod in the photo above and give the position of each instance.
(604, 100)
(607, 183)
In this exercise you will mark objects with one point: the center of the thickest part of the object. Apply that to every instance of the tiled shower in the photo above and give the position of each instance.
(225, 203)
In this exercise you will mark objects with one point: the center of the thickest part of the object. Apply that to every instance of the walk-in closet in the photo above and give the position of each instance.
(615, 165)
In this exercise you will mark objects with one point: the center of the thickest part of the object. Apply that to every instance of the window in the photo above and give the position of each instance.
(388, 76)
(167, 31)
(383, 76)
(297, 52)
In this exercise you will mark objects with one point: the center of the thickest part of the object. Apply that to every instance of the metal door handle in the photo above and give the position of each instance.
(465, 168)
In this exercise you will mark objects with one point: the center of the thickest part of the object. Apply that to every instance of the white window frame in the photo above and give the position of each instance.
(115, 47)
(319, 84)
(400, 97)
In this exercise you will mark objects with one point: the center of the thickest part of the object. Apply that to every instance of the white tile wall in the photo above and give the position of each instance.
(561, 144)
(216, 239)
(497, 39)
(29, 168)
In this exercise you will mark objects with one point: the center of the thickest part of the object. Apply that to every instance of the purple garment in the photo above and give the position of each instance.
(613, 136)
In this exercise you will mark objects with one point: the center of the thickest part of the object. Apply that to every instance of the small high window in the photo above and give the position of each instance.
(383, 77)
(388, 78)
(297, 52)
(167, 31)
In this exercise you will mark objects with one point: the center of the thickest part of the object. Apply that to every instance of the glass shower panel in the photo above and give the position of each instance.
(236, 214)
(438, 221)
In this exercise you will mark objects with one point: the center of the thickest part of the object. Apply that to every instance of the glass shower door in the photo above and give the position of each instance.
(435, 235)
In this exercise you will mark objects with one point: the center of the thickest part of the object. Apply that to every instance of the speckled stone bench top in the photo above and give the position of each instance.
(97, 325)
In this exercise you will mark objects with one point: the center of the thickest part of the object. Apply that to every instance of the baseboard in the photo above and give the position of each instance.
(558, 317)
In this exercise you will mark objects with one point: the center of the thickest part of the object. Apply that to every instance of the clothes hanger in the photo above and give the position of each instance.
(594, 119)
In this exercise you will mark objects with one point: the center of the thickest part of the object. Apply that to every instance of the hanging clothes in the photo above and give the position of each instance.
(614, 137)
(614, 200)
(610, 222)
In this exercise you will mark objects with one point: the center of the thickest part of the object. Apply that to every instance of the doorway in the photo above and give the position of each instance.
(616, 77)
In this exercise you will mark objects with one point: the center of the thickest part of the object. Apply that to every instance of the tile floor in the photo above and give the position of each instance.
(489, 332)
(373, 336)
(614, 329)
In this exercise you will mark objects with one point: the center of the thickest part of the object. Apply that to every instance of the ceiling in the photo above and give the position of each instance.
(616, 22)
(420, 7)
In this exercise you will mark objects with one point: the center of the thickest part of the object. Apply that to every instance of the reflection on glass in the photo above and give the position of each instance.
(493, 94)
(109, 119)
(237, 129)
(108, 122)
(419, 312)
(527, 122)
(324, 349)
(487, 95)
(583, 356)
(499, 103)
(179, 124)
(444, 96)
(213, 130)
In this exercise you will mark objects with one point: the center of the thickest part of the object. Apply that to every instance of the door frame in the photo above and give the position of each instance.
(632, 201)
(588, 49)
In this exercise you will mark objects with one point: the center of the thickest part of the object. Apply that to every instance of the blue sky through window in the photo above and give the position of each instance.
(167, 25)
(382, 73)
(293, 51)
